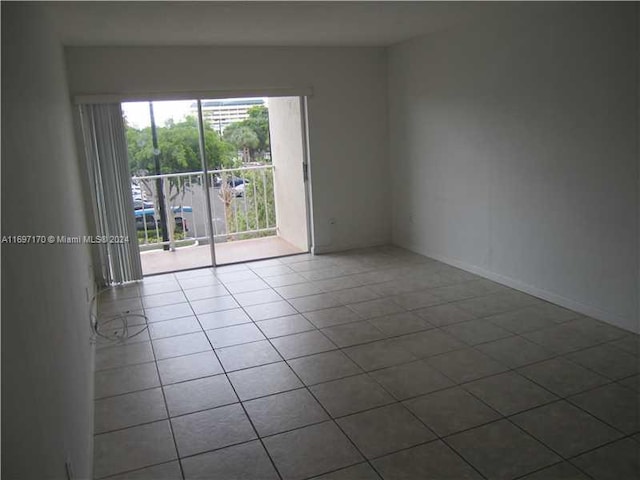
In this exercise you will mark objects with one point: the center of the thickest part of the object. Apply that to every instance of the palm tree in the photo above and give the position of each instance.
(243, 138)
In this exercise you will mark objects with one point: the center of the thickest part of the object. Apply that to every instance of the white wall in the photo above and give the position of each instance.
(347, 115)
(287, 153)
(47, 361)
(514, 152)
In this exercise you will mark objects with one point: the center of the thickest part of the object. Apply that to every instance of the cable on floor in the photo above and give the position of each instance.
(115, 328)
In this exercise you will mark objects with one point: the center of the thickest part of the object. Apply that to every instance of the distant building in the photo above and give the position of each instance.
(220, 113)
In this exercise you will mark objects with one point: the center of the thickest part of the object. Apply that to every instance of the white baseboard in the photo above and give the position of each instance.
(320, 249)
(589, 310)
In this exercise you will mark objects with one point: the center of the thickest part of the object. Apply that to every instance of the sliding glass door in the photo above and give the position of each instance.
(169, 161)
(259, 193)
(204, 184)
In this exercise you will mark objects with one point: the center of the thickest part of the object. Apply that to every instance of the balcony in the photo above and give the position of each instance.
(243, 211)
(183, 258)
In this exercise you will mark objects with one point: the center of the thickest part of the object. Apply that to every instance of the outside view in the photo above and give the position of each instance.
(168, 183)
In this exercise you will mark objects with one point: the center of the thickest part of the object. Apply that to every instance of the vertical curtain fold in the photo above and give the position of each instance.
(106, 155)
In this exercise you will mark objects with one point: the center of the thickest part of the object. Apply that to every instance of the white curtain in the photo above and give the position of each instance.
(107, 163)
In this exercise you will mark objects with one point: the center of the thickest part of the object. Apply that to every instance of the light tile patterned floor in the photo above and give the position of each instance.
(370, 364)
(161, 261)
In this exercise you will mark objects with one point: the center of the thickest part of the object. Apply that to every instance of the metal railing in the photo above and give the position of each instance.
(242, 206)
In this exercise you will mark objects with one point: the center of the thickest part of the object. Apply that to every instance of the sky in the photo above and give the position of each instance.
(137, 113)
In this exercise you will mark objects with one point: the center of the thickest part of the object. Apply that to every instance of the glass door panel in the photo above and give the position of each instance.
(243, 201)
(168, 185)
(205, 187)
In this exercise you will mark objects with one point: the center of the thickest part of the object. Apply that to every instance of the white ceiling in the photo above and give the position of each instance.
(255, 23)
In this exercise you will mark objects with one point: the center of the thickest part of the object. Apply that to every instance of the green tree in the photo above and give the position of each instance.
(179, 152)
(179, 148)
(243, 138)
(258, 121)
(251, 135)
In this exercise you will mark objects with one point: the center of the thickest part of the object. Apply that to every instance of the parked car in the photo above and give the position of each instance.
(237, 181)
(140, 204)
(147, 215)
(232, 181)
(137, 193)
(181, 223)
(238, 190)
(236, 184)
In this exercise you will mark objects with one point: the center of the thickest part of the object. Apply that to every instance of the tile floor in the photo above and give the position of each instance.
(161, 261)
(370, 364)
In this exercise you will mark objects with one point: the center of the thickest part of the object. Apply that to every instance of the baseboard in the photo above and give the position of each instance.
(321, 249)
(594, 312)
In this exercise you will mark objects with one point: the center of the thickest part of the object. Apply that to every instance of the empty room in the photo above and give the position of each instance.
(320, 240)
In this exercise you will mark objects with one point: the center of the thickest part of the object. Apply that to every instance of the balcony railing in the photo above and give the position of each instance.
(242, 206)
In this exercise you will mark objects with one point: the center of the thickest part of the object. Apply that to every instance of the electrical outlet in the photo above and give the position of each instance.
(332, 221)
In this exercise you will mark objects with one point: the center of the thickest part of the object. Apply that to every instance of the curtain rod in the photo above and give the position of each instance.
(81, 99)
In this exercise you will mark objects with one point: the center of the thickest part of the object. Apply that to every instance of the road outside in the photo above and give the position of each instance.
(193, 196)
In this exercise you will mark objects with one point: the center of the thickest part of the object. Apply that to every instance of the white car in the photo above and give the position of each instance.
(137, 193)
(238, 190)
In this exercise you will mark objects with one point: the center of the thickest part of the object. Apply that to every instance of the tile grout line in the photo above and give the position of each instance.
(386, 338)
(541, 469)
(135, 470)
(398, 402)
(166, 406)
(304, 386)
(240, 403)
(417, 359)
(509, 369)
(404, 309)
(458, 385)
(167, 419)
(415, 416)
(395, 401)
